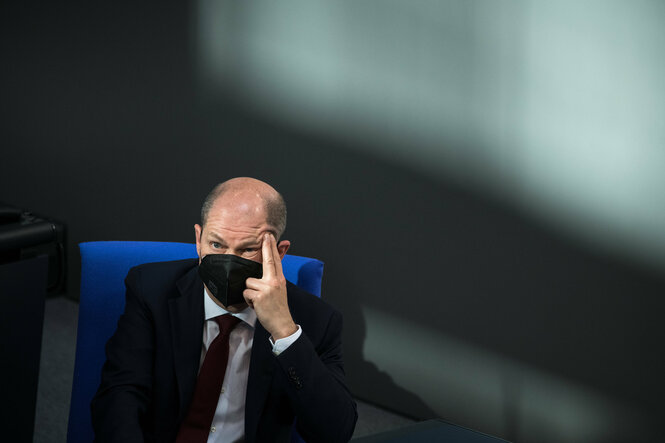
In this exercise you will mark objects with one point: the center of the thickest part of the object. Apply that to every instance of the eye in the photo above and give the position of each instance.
(250, 250)
(215, 244)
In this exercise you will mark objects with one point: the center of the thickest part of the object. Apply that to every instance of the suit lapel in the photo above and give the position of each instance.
(261, 368)
(187, 316)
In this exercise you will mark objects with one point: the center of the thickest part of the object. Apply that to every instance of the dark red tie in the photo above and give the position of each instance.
(196, 426)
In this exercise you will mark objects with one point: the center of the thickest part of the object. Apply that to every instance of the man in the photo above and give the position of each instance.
(283, 356)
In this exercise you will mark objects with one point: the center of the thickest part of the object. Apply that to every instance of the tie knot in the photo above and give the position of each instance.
(226, 323)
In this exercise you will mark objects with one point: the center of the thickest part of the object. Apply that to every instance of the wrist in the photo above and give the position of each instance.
(285, 331)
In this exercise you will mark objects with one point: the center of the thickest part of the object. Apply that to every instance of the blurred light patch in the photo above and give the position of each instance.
(555, 107)
(482, 390)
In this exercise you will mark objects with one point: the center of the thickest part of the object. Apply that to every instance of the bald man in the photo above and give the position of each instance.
(283, 361)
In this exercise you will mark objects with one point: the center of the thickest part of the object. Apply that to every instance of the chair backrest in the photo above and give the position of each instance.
(104, 265)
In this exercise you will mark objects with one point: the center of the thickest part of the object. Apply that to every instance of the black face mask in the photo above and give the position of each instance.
(224, 275)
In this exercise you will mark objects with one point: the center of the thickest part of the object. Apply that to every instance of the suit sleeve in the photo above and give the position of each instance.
(121, 402)
(322, 403)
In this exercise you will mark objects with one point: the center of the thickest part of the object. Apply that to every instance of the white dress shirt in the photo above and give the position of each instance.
(228, 424)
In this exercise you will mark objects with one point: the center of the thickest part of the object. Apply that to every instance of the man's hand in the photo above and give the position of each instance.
(268, 295)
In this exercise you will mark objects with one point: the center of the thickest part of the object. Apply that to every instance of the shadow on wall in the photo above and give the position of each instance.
(366, 379)
(560, 337)
(455, 305)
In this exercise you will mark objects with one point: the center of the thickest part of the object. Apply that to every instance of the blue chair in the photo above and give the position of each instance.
(104, 265)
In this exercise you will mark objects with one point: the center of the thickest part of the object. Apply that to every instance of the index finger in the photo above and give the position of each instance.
(268, 258)
(277, 258)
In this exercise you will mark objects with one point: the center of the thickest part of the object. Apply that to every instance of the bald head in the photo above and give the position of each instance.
(245, 196)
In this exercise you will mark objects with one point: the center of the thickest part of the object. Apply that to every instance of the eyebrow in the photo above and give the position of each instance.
(249, 243)
(216, 237)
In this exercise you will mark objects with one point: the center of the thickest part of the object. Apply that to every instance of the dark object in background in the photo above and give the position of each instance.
(22, 294)
(25, 235)
(433, 431)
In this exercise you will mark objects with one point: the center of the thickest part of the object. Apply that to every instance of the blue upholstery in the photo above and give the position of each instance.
(104, 266)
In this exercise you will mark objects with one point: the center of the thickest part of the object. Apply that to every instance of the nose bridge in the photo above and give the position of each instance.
(233, 250)
(237, 241)
(238, 249)
(234, 242)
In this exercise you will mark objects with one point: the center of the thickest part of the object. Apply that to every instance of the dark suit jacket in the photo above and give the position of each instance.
(153, 358)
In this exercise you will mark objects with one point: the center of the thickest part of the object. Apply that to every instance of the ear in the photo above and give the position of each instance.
(197, 233)
(282, 247)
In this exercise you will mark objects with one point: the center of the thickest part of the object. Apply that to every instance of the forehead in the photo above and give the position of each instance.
(237, 215)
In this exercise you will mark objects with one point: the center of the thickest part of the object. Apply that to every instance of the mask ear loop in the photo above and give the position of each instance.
(200, 241)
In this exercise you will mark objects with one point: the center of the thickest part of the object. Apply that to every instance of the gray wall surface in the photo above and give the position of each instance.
(457, 302)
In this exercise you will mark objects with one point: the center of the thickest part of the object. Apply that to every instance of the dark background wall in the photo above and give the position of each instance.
(103, 127)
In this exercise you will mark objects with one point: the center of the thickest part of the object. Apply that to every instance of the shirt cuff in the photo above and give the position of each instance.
(282, 344)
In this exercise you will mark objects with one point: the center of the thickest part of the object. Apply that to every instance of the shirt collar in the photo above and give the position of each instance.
(213, 310)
